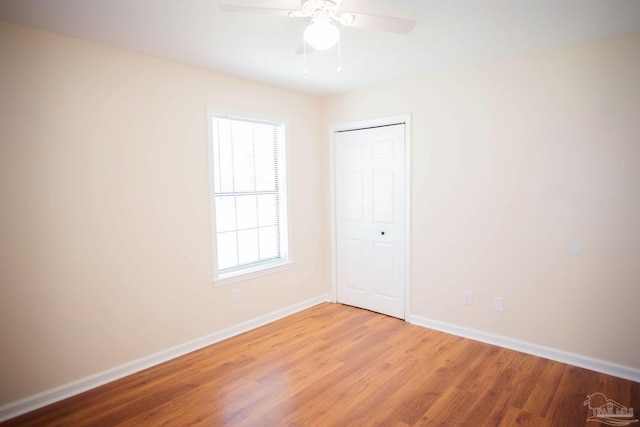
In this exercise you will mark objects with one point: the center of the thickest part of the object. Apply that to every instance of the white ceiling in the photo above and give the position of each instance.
(448, 34)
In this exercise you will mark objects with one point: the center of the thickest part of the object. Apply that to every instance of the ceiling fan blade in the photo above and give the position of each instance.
(379, 23)
(251, 9)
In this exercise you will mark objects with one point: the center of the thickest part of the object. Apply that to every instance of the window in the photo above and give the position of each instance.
(249, 195)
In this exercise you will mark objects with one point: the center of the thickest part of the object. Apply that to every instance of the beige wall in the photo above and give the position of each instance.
(105, 237)
(513, 162)
(105, 251)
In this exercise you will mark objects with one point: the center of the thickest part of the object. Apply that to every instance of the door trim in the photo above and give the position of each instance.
(364, 124)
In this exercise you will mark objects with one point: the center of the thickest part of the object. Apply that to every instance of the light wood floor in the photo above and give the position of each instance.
(334, 365)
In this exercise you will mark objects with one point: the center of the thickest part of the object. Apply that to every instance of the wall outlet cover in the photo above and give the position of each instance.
(468, 298)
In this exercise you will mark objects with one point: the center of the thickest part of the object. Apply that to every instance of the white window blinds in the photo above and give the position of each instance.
(249, 196)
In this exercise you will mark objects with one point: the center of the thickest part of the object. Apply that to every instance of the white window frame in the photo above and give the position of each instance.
(240, 273)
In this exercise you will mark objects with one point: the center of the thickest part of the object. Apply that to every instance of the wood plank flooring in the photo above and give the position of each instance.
(334, 365)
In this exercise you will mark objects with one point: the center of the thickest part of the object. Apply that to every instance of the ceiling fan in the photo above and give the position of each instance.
(322, 33)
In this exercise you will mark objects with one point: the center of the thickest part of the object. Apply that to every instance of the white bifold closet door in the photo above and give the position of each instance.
(370, 218)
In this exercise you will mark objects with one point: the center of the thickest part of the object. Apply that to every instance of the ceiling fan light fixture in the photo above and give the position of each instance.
(321, 34)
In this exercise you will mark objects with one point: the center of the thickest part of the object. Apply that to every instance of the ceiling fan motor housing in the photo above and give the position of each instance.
(316, 8)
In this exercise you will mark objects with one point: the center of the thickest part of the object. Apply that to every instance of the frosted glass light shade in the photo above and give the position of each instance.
(321, 35)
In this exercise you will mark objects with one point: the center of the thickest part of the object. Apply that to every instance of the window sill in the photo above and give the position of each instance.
(250, 273)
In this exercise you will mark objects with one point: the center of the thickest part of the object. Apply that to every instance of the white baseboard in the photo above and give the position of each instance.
(597, 365)
(39, 400)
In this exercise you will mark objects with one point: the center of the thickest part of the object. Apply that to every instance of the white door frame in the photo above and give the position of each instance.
(383, 121)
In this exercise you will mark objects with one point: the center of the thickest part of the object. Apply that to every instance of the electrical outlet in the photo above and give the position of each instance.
(468, 298)
(235, 296)
(498, 304)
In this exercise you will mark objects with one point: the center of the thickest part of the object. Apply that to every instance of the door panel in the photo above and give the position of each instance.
(354, 195)
(355, 264)
(383, 254)
(383, 196)
(370, 215)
